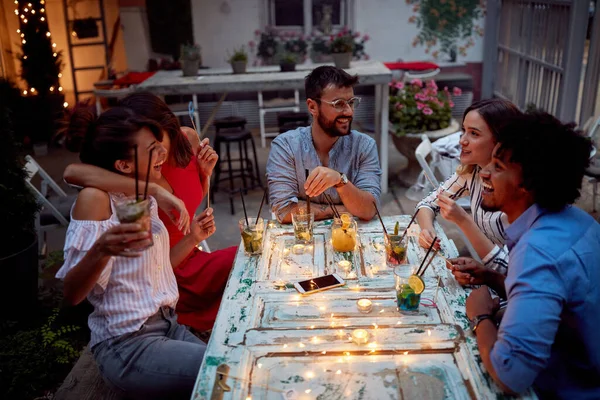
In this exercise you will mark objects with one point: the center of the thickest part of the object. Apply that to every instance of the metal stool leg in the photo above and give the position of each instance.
(242, 166)
(256, 163)
(230, 172)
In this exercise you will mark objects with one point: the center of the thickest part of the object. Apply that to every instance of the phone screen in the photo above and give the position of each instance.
(319, 283)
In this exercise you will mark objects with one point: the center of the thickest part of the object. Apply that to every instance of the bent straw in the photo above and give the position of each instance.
(148, 173)
(380, 220)
(426, 255)
(244, 206)
(135, 158)
(409, 224)
(307, 196)
(261, 204)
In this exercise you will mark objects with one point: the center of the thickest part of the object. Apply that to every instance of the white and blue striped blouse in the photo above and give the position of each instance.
(129, 290)
(492, 224)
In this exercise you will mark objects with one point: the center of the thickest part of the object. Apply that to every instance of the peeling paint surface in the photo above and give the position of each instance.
(277, 341)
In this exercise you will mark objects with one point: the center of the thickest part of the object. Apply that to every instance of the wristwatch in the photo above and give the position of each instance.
(343, 180)
(474, 323)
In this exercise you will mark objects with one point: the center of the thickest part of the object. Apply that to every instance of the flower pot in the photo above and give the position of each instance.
(407, 144)
(190, 67)
(20, 271)
(239, 67)
(287, 67)
(342, 60)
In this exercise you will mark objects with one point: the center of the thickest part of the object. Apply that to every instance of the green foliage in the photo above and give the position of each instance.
(16, 199)
(449, 24)
(55, 258)
(272, 44)
(287, 58)
(419, 107)
(35, 360)
(239, 55)
(190, 52)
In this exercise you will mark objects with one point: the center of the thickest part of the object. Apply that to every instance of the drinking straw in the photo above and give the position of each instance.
(148, 173)
(307, 196)
(329, 201)
(430, 260)
(244, 205)
(380, 220)
(409, 224)
(135, 158)
(426, 255)
(261, 204)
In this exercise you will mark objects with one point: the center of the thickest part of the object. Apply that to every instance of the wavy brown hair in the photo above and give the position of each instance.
(152, 107)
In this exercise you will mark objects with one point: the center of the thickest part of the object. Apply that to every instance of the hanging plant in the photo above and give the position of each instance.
(446, 26)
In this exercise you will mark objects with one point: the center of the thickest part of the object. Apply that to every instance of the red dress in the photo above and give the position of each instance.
(202, 276)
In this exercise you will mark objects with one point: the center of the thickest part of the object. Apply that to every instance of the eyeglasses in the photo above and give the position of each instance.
(340, 104)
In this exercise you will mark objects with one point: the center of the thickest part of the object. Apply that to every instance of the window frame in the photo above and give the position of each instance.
(346, 17)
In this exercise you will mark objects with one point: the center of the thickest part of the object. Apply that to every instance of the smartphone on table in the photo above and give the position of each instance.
(318, 284)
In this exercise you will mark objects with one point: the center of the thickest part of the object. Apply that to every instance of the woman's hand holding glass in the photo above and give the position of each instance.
(122, 240)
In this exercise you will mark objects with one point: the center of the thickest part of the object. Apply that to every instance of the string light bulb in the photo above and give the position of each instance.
(60, 75)
(54, 55)
(25, 21)
(52, 88)
(32, 90)
(22, 16)
(65, 104)
(42, 10)
(26, 9)
(60, 89)
(42, 19)
(18, 31)
(33, 11)
(17, 2)
(48, 34)
(25, 92)
(24, 41)
(16, 12)
(53, 44)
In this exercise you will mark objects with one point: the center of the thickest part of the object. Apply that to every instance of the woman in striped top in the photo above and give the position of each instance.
(485, 230)
(140, 349)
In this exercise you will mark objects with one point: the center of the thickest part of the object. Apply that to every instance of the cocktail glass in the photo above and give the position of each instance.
(252, 235)
(129, 210)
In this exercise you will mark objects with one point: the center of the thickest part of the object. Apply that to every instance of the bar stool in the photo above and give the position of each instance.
(233, 130)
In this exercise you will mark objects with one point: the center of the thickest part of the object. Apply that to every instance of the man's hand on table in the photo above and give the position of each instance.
(321, 179)
(467, 271)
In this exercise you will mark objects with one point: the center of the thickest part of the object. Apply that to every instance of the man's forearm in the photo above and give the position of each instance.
(487, 334)
(358, 202)
(321, 211)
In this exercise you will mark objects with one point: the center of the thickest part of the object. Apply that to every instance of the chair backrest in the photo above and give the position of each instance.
(32, 167)
(421, 153)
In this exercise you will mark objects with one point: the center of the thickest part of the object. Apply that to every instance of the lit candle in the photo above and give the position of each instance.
(345, 265)
(280, 284)
(298, 249)
(364, 305)
(360, 336)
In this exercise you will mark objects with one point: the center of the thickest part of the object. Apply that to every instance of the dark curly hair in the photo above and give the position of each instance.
(326, 75)
(553, 157)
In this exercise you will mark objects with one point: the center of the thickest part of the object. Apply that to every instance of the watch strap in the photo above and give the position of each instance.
(478, 319)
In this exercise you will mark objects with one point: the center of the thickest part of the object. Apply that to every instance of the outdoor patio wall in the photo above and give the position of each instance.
(84, 55)
(220, 26)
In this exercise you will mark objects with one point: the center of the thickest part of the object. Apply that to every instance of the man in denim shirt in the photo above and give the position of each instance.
(342, 163)
(548, 337)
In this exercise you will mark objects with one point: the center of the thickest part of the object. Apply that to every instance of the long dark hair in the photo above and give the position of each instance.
(496, 113)
(109, 137)
(152, 107)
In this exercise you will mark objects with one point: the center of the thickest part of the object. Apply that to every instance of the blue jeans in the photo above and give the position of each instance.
(160, 360)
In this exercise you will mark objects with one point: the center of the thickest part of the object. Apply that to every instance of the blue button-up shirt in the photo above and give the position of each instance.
(550, 334)
(292, 152)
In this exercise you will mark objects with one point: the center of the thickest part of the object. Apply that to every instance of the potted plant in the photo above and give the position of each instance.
(271, 43)
(190, 59)
(239, 60)
(287, 61)
(417, 107)
(19, 252)
(340, 48)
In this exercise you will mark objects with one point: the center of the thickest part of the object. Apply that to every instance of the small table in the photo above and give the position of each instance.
(221, 80)
(268, 343)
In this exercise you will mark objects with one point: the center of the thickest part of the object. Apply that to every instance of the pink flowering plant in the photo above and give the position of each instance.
(418, 106)
(345, 41)
(273, 43)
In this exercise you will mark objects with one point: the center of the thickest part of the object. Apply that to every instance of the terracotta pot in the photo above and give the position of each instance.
(239, 67)
(342, 60)
(407, 144)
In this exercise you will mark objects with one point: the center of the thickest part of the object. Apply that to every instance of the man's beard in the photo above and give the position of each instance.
(488, 208)
(329, 126)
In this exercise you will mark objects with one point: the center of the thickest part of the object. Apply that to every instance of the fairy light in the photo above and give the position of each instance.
(52, 88)
(54, 55)
(32, 90)
(60, 75)
(48, 34)
(25, 20)
(60, 89)
(42, 10)
(25, 9)
(53, 44)
(65, 104)
(23, 41)
(16, 12)
(25, 92)
(33, 11)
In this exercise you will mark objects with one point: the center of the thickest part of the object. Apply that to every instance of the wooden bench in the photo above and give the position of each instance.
(85, 383)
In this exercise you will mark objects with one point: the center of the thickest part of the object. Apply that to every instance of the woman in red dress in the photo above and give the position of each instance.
(201, 276)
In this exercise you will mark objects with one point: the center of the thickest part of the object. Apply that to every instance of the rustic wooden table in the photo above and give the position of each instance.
(277, 344)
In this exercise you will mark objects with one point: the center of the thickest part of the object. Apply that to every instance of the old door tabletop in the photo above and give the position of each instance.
(273, 343)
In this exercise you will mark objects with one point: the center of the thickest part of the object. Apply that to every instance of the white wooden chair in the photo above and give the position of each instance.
(275, 105)
(56, 209)
(421, 153)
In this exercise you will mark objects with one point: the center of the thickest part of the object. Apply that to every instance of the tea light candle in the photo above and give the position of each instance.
(360, 336)
(364, 305)
(345, 265)
(298, 249)
(280, 284)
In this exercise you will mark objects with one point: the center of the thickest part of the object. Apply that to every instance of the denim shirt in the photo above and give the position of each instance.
(292, 152)
(550, 334)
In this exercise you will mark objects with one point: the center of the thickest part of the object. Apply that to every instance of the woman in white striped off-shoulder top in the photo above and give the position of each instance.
(485, 230)
(139, 347)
